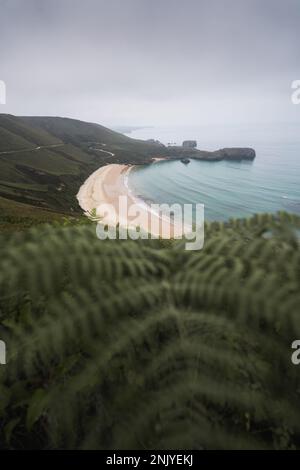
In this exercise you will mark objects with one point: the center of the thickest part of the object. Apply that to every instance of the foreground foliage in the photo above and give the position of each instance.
(122, 344)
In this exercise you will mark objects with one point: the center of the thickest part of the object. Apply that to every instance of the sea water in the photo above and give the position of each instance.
(227, 188)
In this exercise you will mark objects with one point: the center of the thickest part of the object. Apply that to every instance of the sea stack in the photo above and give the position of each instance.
(191, 144)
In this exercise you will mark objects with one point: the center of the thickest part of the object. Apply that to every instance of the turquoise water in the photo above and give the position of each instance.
(227, 189)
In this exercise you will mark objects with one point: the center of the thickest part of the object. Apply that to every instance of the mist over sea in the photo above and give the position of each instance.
(227, 188)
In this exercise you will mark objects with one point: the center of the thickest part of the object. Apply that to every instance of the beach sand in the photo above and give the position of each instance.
(102, 192)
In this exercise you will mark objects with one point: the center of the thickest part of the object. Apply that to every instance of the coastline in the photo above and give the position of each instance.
(101, 192)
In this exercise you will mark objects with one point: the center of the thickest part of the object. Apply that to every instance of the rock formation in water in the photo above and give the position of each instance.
(191, 144)
(234, 153)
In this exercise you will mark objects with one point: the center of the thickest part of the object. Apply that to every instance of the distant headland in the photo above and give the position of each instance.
(188, 151)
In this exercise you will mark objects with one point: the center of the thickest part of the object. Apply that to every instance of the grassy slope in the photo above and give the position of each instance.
(15, 133)
(86, 135)
(16, 216)
(49, 177)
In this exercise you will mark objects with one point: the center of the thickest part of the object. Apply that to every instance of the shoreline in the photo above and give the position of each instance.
(101, 193)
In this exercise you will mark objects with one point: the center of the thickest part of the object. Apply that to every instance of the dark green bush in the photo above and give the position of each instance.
(138, 344)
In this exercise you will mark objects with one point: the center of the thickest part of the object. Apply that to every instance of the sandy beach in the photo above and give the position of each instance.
(101, 193)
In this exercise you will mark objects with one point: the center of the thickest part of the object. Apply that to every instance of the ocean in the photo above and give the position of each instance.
(227, 188)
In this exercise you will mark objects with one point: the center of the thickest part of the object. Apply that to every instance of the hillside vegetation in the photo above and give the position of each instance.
(43, 161)
(142, 345)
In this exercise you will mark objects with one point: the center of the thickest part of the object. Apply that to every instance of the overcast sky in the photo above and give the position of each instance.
(156, 62)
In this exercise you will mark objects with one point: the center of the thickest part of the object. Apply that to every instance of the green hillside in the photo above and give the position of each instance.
(16, 134)
(89, 136)
(75, 131)
(43, 161)
(17, 216)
